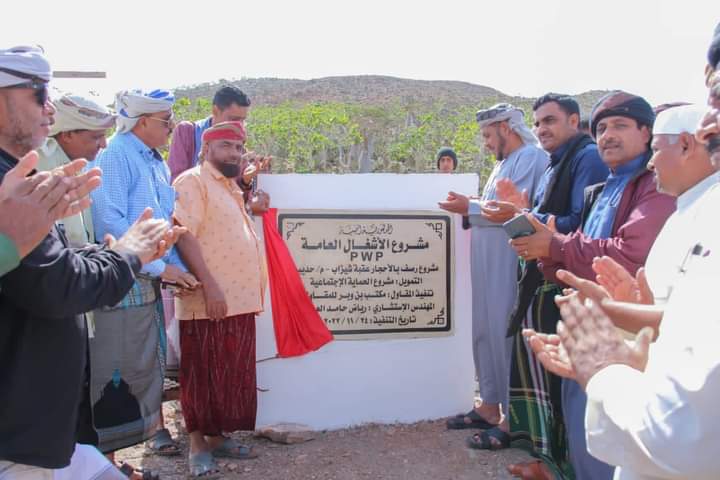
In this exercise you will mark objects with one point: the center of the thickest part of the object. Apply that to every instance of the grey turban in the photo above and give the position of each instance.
(22, 64)
(515, 117)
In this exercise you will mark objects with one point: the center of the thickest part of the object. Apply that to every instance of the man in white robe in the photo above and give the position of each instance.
(493, 262)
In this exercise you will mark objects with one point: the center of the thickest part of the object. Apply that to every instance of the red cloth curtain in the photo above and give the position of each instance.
(298, 326)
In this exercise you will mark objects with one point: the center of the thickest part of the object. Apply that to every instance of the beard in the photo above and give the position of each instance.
(229, 170)
(715, 159)
(502, 143)
(18, 138)
(17, 133)
(658, 184)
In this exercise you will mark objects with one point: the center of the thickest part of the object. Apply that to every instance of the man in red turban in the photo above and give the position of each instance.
(217, 322)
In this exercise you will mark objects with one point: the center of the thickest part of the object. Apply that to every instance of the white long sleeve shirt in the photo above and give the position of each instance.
(675, 241)
(664, 423)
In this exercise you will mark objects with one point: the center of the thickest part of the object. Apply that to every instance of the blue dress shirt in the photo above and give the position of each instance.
(134, 177)
(602, 216)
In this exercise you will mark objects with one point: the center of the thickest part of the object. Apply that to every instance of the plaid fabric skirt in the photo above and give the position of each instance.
(218, 389)
(127, 360)
(536, 419)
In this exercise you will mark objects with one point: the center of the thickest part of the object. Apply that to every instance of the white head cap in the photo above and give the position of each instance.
(677, 120)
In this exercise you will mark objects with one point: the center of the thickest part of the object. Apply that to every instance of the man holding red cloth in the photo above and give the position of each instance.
(217, 322)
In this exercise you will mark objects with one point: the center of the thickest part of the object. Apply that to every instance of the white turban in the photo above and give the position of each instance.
(78, 113)
(677, 120)
(22, 64)
(514, 116)
(132, 104)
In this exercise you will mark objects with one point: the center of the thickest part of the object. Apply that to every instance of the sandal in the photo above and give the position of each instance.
(231, 449)
(484, 440)
(162, 444)
(128, 471)
(202, 465)
(472, 419)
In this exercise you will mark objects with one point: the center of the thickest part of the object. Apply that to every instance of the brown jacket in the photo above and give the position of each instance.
(640, 216)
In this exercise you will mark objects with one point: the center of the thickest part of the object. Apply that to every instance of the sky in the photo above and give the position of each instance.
(652, 48)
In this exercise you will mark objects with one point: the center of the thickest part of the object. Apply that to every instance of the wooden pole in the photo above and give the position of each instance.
(78, 74)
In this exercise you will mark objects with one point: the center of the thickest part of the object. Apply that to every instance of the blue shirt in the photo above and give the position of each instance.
(200, 127)
(134, 177)
(602, 216)
(524, 167)
(587, 169)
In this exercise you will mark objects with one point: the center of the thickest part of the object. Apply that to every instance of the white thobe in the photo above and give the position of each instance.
(675, 241)
(663, 423)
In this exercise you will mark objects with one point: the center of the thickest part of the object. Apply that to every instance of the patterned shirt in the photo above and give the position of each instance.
(134, 177)
(212, 208)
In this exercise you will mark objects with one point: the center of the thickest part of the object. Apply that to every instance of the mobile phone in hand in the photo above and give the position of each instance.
(165, 285)
(518, 227)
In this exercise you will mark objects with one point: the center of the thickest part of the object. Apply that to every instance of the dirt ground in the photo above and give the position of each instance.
(420, 451)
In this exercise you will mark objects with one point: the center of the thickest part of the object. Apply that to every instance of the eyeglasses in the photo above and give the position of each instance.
(170, 122)
(40, 88)
(38, 84)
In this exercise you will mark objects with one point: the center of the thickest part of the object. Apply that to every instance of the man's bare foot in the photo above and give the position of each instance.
(490, 412)
(535, 470)
(214, 441)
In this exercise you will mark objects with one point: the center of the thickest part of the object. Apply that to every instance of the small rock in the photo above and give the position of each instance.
(232, 467)
(287, 433)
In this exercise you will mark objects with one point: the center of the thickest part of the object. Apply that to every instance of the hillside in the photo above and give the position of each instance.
(366, 89)
(365, 123)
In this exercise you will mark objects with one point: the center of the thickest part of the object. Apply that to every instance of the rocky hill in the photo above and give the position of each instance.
(362, 123)
(367, 89)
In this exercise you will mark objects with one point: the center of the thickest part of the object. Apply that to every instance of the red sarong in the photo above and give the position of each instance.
(298, 326)
(218, 390)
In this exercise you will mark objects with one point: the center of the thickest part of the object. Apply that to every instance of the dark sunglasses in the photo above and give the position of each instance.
(41, 91)
(36, 83)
